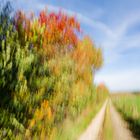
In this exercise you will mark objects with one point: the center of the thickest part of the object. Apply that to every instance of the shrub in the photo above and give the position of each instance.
(46, 72)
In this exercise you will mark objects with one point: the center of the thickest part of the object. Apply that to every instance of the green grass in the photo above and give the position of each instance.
(72, 129)
(107, 132)
(129, 107)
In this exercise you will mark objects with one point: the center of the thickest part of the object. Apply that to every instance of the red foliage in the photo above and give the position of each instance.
(60, 27)
(55, 29)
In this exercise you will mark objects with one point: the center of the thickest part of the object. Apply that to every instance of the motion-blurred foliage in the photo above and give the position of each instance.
(46, 72)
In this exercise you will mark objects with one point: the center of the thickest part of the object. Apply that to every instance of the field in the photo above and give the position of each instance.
(129, 107)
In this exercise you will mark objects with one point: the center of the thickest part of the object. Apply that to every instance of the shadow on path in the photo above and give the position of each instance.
(134, 126)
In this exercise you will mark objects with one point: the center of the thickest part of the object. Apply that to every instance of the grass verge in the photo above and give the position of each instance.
(71, 130)
(107, 132)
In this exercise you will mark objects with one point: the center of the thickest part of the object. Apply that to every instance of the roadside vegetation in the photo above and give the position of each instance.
(46, 75)
(129, 107)
(72, 129)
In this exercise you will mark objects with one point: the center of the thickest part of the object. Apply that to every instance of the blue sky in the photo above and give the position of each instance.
(113, 25)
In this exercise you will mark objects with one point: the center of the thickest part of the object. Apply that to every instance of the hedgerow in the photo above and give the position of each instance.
(46, 72)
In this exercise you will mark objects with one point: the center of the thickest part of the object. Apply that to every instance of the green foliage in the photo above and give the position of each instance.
(45, 73)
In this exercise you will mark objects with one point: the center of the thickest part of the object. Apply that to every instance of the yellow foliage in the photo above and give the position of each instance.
(42, 113)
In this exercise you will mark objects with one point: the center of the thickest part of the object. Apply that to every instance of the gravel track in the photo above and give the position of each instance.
(93, 130)
(120, 127)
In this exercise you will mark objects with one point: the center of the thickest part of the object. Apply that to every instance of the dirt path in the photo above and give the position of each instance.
(120, 127)
(92, 132)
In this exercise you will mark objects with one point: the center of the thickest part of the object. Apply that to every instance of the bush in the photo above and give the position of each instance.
(46, 72)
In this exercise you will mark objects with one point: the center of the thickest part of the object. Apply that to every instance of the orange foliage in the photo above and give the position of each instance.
(102, 88)
(87, 58)
(44, 112)
(57, 31)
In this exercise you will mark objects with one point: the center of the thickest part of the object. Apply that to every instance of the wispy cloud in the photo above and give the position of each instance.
(120, 41)
(83, 19)
(119, 32)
